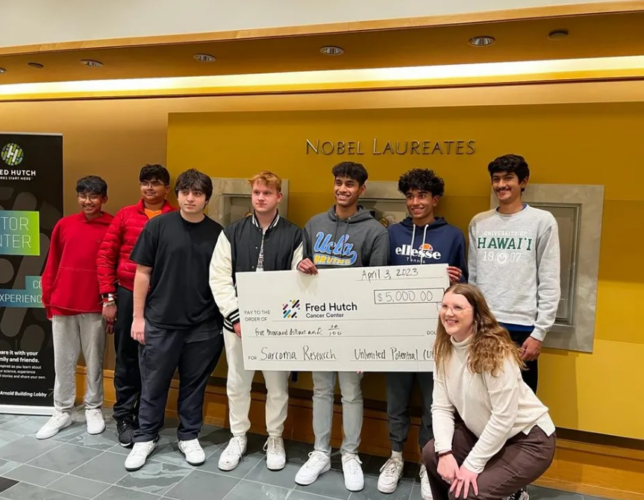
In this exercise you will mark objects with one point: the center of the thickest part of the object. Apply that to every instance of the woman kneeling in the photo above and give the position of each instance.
(506, 438)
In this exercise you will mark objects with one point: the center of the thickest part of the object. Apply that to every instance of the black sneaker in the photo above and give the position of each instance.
(522, 494)
(125, 429)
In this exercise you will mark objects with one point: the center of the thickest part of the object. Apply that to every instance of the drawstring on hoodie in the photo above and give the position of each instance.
(413, 236)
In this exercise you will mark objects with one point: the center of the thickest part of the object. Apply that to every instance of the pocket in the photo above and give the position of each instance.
(76, 290)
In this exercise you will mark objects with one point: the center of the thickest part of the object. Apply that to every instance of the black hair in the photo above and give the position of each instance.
(91, 184)
(422, 179)
(511, 164)
(193, 180)
(351, 170)
(154, 172)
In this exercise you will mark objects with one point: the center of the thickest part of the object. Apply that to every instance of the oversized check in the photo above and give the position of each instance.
(357, 319)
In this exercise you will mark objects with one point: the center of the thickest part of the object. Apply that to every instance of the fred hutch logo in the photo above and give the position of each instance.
(291, 308)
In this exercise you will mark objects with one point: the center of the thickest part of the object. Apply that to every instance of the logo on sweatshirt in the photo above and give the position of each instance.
(425, 252)
(291, 308)
(333, 253)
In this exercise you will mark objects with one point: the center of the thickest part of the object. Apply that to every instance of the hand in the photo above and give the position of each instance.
(448, 468)
(109, 327)
(307, 267)
(237, 328)
(454, 274)
(109, 313)
(530, 349)
(138, 330)
(464, 480)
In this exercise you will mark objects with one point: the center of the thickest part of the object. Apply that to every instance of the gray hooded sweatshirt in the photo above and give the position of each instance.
(359, 241)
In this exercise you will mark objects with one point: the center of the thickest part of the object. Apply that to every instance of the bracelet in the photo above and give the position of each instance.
(109, 303)
(444, 453)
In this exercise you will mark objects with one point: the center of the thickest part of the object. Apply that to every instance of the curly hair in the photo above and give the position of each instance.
(351, 170)
(511, 164)
(422, 179)
(491, 344)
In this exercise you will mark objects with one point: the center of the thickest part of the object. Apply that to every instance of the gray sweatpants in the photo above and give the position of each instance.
(71, 334)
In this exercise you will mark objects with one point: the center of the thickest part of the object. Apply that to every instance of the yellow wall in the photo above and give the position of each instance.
(566, 144)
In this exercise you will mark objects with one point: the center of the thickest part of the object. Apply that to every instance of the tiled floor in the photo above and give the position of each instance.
(75, 465)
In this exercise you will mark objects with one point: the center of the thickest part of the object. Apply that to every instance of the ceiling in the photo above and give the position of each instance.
(599, 35)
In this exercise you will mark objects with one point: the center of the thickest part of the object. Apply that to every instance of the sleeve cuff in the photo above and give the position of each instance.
(538, 334)
(469, 466)
(231, 320)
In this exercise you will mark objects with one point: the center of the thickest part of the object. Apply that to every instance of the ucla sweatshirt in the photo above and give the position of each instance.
(435, 243)
(358, 241)
(514, 260)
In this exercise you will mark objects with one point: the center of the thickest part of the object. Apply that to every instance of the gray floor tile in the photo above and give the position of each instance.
(156, 477)
(25, 425)
(370, 492)
(6, 466)
(102, 442)
(247, 463)
(246, 490)
(32, 475)
(27, 448)
(118, 493)
(200, 484)
(65, 458)
(6, 483)
(330, 484)
(7, 437)
(24, 491)
(303, 495)
(107, 468)
(284, 478)
(537, 493)
(78, 486)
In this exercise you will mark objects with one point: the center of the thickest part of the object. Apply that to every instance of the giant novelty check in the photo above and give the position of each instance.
(357, 319)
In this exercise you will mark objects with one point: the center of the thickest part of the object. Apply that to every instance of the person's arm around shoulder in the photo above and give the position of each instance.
(144, 255)
(51, 268)
(222, 284)
(472, 253)
(380, 250)
(503, 391)
(306, 265)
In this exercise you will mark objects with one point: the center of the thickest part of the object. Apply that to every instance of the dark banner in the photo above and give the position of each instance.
(31, 202)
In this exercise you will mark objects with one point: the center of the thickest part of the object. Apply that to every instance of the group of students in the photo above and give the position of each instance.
(163, 282)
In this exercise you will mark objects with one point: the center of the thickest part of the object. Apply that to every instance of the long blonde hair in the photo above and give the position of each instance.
(491, 343)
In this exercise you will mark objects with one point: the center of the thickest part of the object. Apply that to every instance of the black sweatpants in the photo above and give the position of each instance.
(399, 390)
(531, 373)
(127, 377)
(195, 355)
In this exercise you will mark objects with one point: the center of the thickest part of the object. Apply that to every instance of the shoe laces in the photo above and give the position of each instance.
(274, 445)
(191, 446)
(141, 449)
(235, 447)
(315, 457)
(391, 467)
(93, 414)
(351, 462)
(57, 417)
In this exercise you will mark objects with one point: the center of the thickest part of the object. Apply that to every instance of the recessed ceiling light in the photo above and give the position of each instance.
(2, 70)
(481, 41)
(332, 50)
(36, 65)
(204, 57)
(558, 34)
(91, 63)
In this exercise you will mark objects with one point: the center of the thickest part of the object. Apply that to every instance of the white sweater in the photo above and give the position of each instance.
(495, 409)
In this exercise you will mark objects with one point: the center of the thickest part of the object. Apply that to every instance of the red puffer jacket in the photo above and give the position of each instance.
(113, 261)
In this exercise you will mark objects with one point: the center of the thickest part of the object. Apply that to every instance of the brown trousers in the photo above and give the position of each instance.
(522, 460)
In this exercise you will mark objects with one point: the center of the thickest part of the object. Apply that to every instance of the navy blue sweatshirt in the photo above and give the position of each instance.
(435, 243)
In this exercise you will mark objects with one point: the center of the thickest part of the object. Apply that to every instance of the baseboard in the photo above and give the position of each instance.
(579, 467)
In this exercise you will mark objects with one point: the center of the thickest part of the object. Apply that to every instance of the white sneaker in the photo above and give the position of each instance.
(193, 451)
(56, 423)
(390, 475)
(232, 454)
(353, 477)
(139, 454)
(425, 490)
(318, 463)
(95, 421)
(275, 453)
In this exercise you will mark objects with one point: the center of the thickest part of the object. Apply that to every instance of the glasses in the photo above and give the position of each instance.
(153, 184)
(454, 309)
(92, 197)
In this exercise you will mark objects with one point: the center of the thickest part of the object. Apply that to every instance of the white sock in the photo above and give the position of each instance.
(396, 454)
